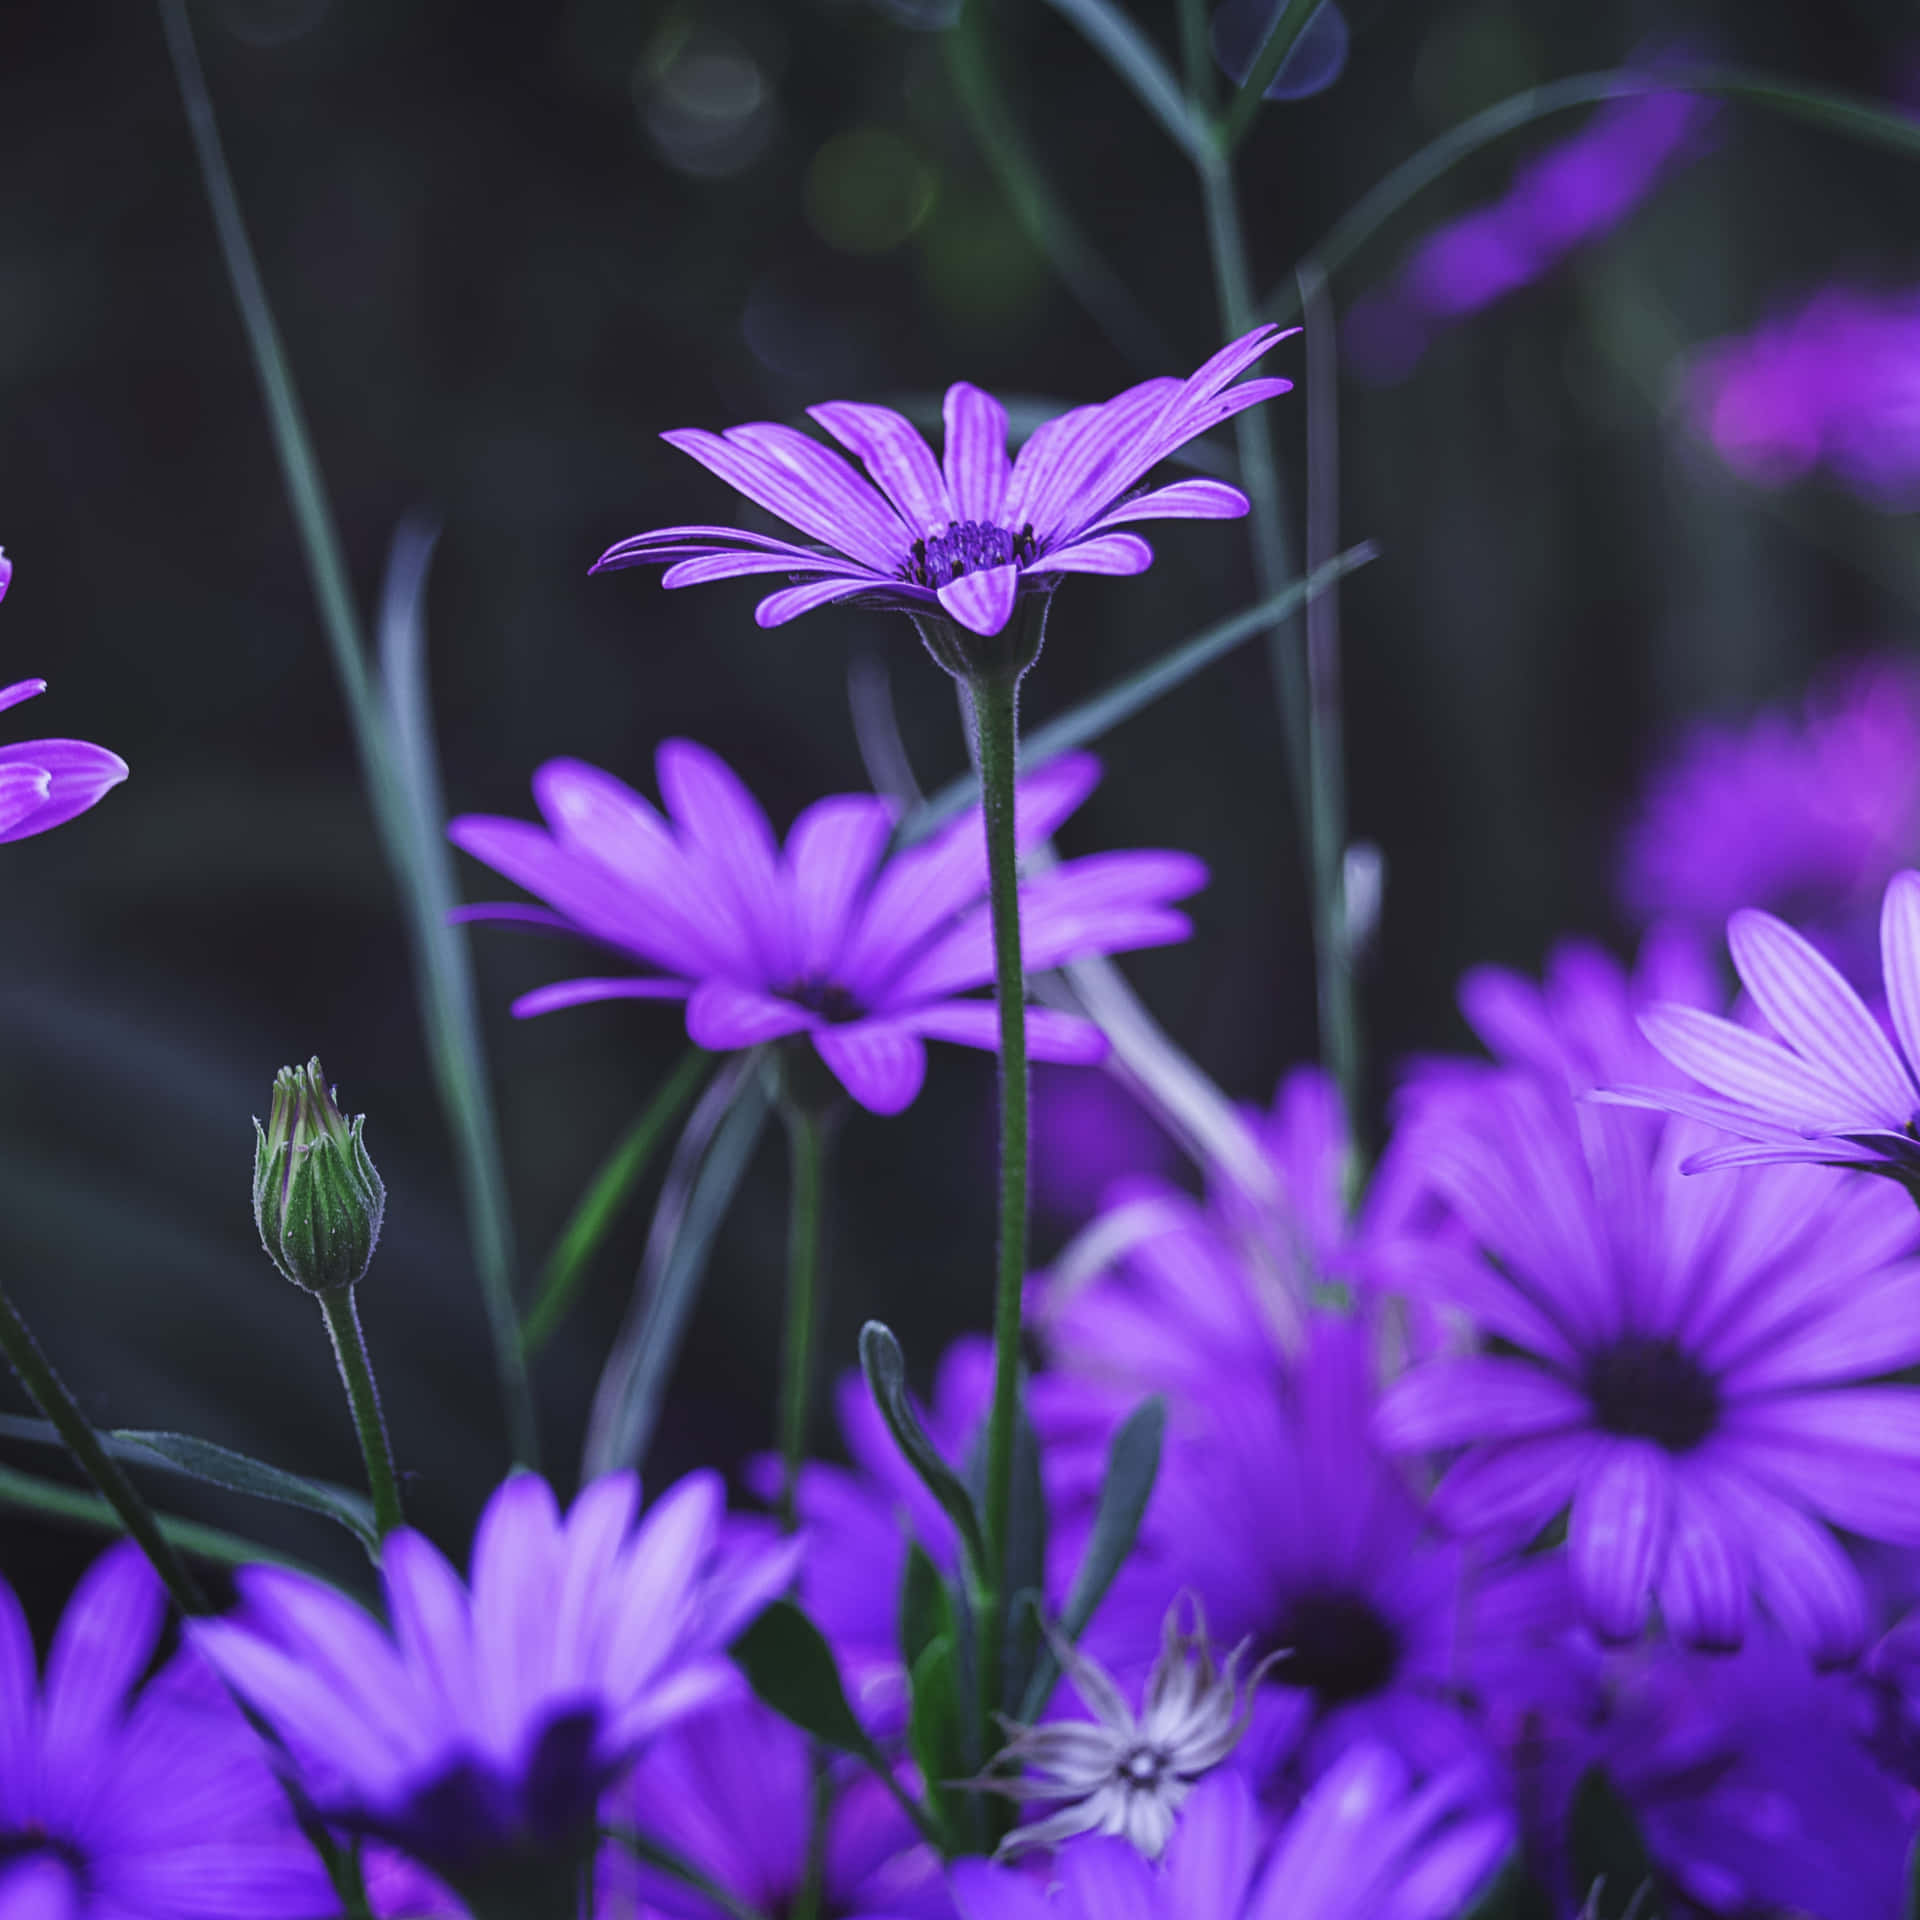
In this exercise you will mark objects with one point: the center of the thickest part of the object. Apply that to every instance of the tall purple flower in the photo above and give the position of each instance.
(480, 1734)
(866, 955)
(1367, 1843)
(1834, 384)
(118, 1799)
(1808, 814)
(45, 783)
(1682, 1366)
(1831, 1087)
(964, 535)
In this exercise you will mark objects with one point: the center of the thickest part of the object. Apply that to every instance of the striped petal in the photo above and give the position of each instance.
(1900, 958)
(1182, 500)
(1744, 1066)
(1114, 553)
(977, 468)
(880, 1063)
(901, 463)
(1617, 1535)
(982, 602)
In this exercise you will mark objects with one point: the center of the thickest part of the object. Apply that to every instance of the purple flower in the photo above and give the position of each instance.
(486, 1726)
(1807, 814)
(867, 955)
(1680, 1362)
(1567, 197)
(966, 535)
(1832, 1087)
(44, 783)
(119, 1800)
(1365, 1844)
(1834, 384)
(731, 1790)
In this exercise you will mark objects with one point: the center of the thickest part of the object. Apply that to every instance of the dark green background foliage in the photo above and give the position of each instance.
(498, 280)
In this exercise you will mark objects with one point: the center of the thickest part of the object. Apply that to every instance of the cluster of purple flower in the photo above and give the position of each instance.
(1577, 1454)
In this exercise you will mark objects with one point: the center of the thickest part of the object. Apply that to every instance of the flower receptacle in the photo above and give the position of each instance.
(318, 1199)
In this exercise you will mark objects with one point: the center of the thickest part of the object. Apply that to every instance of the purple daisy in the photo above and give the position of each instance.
(1807, 814)
(45, 783)
(866, 955)
(1682, 1364)
(1365, 1844)
(731, 1791)
(963, 536)
(1831, 1087)
(480, 1734)
(127, 1802)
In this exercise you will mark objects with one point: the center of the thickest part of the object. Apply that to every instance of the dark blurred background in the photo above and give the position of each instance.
(509, 244)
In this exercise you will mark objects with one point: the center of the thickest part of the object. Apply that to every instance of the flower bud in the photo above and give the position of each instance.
(317, 1198)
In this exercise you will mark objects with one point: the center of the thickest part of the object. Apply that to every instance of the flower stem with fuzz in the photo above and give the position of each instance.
(995, 708)
(48, 1392)
(337, 1308)
(807, 1130)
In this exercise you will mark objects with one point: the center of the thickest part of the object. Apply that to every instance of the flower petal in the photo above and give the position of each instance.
(707, 567)
(1703, 1585)
(791, 602)
(900, 461)
(1451, 1402)
(19, 691)
(723, 1016)
(983, 601)
(1617, 1534)
(674, 543)
(1810, 1005)
(977, 467)
(1851, 1453)
(726, 832)
(101, 1648)
(1900, 958)
(881, 1063)
(1515, 1487)
(1110, 553)
(77, 773)
(580, 993)
(831, 854)
(1182, 500)
(23, 792)
(1780, 1086)
(1060, 479)
(1060, 1037)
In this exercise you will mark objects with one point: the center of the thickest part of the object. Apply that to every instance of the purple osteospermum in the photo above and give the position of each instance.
(486, 1727)
(1832, 1087)
(45, 783)
(123, 1802)
(731, 1790)
(1835, 384)
(866, 955)
(1365, 1844)
(961, 538)
(1681, 1363)
(1806, 814)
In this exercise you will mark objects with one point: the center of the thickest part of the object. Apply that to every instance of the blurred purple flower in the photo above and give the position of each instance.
(1089, 1131)
(481, 1734)
(1832, 1087)
(45, 783)
(1833, 384)
(1680, 1360)
(1808, 814)
(1365, 1844)
(967, 537)
(119, 1800)
(1558, 202)
(731, 1790)
(868, 955)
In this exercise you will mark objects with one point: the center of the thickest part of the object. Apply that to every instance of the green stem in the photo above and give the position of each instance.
(807, 1155)
(1245, 107)
(996, 722)
(342, 1316)
(47, 1392)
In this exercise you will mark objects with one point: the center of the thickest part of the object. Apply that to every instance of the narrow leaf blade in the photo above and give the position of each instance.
(886, 1372)
(933, 1727)
(790, 1666)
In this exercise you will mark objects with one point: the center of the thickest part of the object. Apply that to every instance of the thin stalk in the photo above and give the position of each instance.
(342, 1315)
(1245, 106)
(807, 1157)
(996, 723)
(48, 1392)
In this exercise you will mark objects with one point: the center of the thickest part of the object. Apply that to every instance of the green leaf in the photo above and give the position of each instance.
(31, 1494)
(933, 1728)
(926, 1607)
(1020, 1636)
(1134, 57)
(218, 1466)
(1607, 1854)
(1080, 725)
(1851, 114)
(1911, 1909)
(708, 1165)
(608, 1191)
(886, 1371)
(1510, 1895)
(1133, 1464)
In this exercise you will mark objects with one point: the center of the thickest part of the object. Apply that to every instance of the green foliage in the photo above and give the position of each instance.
(886, 1371)
(1612, 1869)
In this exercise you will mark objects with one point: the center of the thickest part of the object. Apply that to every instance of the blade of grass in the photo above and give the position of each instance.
(1849, 114)
(1092, 718)
(599, 1207)
(707, 1168)
(31, 1494)
(1037, 203)
(442, 977)
(1244, 108)
(1135, 59)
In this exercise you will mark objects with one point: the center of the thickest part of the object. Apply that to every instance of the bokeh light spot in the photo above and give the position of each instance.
(867, 191)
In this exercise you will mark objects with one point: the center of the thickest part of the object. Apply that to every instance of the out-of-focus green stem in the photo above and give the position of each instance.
(342, 1315)
(1244, 108)
(807, 1161)
(48, 1392)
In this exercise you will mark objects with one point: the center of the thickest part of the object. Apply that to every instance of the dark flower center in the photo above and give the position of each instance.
(967, 546)
(1650, 1389)
(1336, 1646)
(830, 1002)
(1144, 1768)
